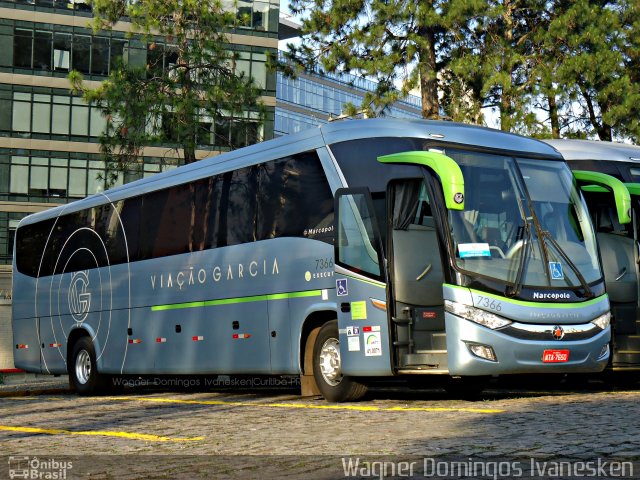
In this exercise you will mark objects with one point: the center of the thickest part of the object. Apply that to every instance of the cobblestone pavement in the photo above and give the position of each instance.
(505, 425)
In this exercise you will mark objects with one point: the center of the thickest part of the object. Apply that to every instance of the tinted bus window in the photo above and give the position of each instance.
(295, 199)
(166, 222)
(610, 168)
(240, 207)
(359, 164)
(289, 197)
(30, 243)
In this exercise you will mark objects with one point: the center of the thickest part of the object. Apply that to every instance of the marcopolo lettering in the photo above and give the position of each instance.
(551, 296)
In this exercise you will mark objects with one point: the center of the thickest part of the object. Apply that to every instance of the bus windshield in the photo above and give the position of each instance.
(524, 222)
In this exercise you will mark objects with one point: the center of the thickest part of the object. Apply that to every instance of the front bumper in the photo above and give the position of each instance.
(517, 355)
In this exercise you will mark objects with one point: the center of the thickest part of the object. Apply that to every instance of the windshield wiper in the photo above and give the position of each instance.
(546, 235)
(513, 290)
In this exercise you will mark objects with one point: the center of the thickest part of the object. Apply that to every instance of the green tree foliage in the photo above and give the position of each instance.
(545, 67)
(631, 55)
(188, 82)
(494, 55)
(397, 42)
(588, 53)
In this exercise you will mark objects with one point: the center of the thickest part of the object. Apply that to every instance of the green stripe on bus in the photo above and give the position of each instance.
(232, 301)
(523, 303)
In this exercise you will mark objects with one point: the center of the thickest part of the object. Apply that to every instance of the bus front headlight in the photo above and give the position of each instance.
(476, 315)
(602, 321)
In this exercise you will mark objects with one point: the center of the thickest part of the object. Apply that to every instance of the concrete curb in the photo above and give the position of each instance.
(21, 391)
(21, 384)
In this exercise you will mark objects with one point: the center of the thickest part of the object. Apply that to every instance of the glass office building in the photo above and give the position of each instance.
(312, 98)
(49, 138)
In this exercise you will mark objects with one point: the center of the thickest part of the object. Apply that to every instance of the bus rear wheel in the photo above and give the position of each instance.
(83, 373)
(327, 367)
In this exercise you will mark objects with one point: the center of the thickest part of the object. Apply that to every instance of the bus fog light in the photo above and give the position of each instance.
(482, 351)
(604, 352)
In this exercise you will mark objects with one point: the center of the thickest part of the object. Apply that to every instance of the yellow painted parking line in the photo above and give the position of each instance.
(98, 433)
(622, 393)
(357, 408)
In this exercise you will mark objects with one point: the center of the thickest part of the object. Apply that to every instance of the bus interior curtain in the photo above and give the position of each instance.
(405, 206)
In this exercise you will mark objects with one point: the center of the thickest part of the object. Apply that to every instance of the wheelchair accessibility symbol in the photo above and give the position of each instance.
(341, 287)
(555, 268)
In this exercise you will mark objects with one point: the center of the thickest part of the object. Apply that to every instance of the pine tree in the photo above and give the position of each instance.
(588, 53)
(495, 55)
(578, 60)
(397, 42)
(181, 90)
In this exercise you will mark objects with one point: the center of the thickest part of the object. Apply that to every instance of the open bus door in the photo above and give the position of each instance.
(361, 286)
(355, 345)
(416, 272)
(417, 260)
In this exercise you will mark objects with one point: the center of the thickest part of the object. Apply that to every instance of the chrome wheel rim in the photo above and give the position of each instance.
(83, 366)
(330, 362)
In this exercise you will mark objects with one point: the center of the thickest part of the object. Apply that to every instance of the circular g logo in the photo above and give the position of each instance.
(79, 298)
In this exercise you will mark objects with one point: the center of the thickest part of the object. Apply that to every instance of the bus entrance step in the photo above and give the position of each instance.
(627, 343)
(626, 358)
(435, 359)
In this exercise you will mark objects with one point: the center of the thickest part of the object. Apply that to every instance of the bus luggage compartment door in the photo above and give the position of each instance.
(26, 344)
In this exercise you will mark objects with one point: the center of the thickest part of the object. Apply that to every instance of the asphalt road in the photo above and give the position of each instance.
(523, 431)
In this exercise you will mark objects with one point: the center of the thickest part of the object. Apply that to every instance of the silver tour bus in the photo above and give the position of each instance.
(618, 242)
(351, 252)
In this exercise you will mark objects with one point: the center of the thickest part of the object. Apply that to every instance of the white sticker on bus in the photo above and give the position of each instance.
(467, 250)
(372, 344)
(354, 344)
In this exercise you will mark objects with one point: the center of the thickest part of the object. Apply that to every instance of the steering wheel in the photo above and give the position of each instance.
(514, 249)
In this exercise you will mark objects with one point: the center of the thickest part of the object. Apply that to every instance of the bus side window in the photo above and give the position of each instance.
(295, 199)
(120, 230)
(34, 250)
(165, 222)
(240, 207)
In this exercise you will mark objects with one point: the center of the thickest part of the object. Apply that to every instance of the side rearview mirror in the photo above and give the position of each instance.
(596, 181)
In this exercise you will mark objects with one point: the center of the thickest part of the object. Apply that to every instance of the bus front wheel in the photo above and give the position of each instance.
(327, 367)
(83, 373)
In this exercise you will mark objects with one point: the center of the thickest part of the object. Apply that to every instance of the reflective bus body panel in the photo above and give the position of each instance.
(216, 310)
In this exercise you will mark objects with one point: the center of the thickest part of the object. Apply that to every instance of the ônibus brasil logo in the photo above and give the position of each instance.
(79, 298)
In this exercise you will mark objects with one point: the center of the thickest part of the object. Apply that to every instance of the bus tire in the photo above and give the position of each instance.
(327, 370)
(83, 372)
